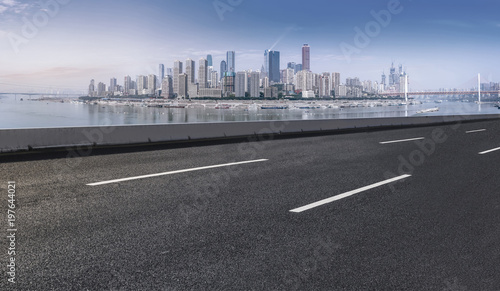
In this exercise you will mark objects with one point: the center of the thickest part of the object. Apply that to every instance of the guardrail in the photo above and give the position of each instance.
(12, 140)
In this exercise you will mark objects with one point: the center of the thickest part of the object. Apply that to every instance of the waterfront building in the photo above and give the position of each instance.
(167, 86)
(183, 85)
(203, 74)
(274, 66)
(223, 69)
(190, 67)
(161, 74)
(210, 92)
(112, 85)
(177, 72)
(239, 85)
(127, 85)
(152, 84)
(92, 88)
(254, 88)
(231, 62)
(306, 57)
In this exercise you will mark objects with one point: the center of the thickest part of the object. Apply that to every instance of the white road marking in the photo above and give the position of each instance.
(347, 194)
(174, 172)
(474, 131)
(489, 151)
(402, 140)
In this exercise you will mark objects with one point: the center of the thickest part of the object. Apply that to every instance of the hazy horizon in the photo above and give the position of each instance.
(63, 44)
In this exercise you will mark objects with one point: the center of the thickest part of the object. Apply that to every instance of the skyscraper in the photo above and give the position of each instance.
(274, 66)
(127, 85)
(161, 74)
(177, 72)
(112, 84)
(209, 60)
(306, 57)
(239, 84)
(223, 69)
(152, 84)
(265, 70)
(92, 88)
(203, 74)
(254, 87)
(167, 87)
(183, 85)
(190, 67)
(231, 60)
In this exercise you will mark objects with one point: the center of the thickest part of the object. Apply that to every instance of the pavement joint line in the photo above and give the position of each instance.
(402, 140)
(347, 194)
(489, 151)
(474, 131)
(175, 172)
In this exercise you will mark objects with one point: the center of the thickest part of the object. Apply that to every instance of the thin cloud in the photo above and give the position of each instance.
(9, 2)
(3, 9)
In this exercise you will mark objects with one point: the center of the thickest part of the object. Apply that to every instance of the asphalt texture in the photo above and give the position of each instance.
(230, 228)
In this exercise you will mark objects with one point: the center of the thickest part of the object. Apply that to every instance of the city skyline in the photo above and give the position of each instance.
(443, 45)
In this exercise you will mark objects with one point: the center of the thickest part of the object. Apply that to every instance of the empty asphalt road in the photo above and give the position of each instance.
(404, 209)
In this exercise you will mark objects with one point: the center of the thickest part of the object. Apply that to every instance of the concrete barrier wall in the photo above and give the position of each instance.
(39, 138)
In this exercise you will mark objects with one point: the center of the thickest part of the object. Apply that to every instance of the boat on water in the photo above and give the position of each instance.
(274, 107)
(428, 110)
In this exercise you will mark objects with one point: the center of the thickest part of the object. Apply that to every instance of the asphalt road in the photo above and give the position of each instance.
(231, 227)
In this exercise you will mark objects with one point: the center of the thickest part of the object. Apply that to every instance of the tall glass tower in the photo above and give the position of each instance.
(274, 66)
(230, 59)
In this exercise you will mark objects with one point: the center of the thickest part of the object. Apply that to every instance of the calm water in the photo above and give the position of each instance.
(30, 114)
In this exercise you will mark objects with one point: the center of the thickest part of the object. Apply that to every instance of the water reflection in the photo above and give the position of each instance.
(25, 114)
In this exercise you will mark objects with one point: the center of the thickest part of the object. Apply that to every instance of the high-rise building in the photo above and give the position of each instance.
(161, 74)
(223, 69)
(169, 72)
(289, 75)
(190, 69)
(231, 62)
(306, 57)
(254, 88)
(239, 84)
(152, 84)
(228, 85)
(203, 74)
(112, 84)
(291, 65)
(101, 89)
(209, 60)
(274, 66)
(298, 68)
(214, 83)
(142, 85)
(183, 85)
(265, 68)
(92, 88)
(127, 85)
(336, 83)
(177, 72)
(167, 86)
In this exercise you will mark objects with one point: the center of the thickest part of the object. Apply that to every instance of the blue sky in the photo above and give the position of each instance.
(441, 43)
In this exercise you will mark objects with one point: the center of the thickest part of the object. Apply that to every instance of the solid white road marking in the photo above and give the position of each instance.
(474, 131)
(489, 151)
(175, 172)
(347, 194)
(402, 140)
